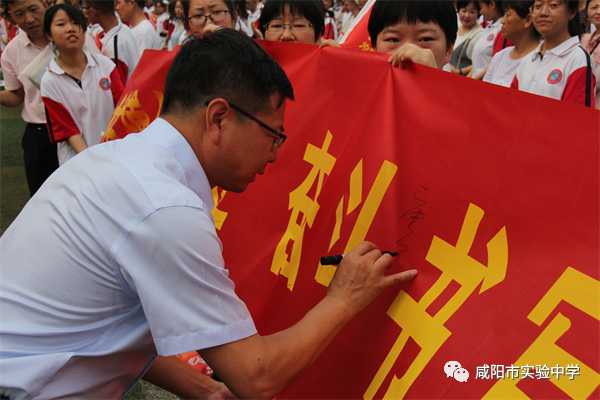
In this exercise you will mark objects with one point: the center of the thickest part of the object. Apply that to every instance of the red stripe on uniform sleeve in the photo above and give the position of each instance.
(61, 125)
(116, 85)
(123, 71)
(515, 83)
(575, 88)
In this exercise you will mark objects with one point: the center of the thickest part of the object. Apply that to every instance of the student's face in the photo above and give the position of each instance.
(513, 25)
(250, 148)
(468, 16)
(351, 5)
(29, 15)
(179, 10)
(291, 24)
(251, 5)
(206, 7)
(149, 3)
(65, 33)
(124, 9)
(159, 8)
(425, 35)
(553, 19)
(328, 4)
(594, 13)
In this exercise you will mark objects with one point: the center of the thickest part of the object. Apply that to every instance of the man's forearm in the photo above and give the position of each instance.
(12, 98)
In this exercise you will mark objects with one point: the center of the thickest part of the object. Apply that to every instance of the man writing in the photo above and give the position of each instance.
(128, 262)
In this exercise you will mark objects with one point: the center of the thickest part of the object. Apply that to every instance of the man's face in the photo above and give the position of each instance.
(29, 15)
(89, 13)
(149, 3)
(249, 148)
(124, 9)
(207, 7)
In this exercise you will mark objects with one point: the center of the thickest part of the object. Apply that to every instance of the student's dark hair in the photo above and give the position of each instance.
(308, 9)
(103, 6)
(465, 4)
(498, 6)
(225, 64)
(186, 6)
(522, 8)
(392, 12)
(240, 7)
(140, 3)
(73, 13)
(575, 23)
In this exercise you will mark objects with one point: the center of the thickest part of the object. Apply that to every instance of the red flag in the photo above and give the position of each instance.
(502, 224)
(357, 36)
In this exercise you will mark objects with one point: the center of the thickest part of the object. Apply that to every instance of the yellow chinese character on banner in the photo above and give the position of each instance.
(366, 46)
(582, 292)
(132, 115)
(304, 210)
(366, 216)
(427, 331)
(218, 215)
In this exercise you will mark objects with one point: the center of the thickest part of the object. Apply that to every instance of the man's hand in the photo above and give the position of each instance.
(222, 393)
(12, 98)
(411, 52)
(360, 276)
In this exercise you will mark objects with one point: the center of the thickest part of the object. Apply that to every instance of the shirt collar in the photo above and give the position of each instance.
(560, 50)
(173, 141)
(54, 67)
(28, 42)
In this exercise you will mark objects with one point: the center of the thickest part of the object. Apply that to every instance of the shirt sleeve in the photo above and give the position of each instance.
(59, 120)
(11, 80)
(116, 85)
(577, 90)
(172, 260)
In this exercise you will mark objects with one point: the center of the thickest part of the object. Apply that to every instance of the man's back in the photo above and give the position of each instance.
(106, 271)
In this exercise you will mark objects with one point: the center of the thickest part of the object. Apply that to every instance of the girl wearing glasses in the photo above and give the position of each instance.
(203, 13)
(292, 21)
(559, 67)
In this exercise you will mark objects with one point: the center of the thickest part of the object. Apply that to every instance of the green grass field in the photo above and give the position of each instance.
(14, 194)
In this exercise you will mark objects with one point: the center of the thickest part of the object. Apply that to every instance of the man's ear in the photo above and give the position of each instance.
(528, 21)
(218, 112)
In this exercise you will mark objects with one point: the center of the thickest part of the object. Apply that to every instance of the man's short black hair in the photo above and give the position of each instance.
(225, 64)
(103, 6)
(465, 4)
(140, 3)
(308, 9)
(391, 12)
(73, 13)
(7, 4)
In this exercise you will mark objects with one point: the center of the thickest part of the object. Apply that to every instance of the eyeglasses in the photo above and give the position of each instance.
(551, 8)
(277, 142)
(215, 17)
(278, 27)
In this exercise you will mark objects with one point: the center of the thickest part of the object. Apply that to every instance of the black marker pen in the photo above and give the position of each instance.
(337, 259)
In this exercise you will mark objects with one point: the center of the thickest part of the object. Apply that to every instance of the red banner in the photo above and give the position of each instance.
(489, 192)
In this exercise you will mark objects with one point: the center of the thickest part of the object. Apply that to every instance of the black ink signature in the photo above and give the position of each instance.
(414, 217)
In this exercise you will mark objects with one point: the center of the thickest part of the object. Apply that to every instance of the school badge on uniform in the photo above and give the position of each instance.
(104, 83)
(490, 38)
(555, 77)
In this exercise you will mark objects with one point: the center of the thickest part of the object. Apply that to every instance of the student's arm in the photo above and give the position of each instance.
(77, 142)
(12, 98)
(262, 366)
(410, 52)
(576, 88)
(461, 71)
(480, 76)
(179, 378)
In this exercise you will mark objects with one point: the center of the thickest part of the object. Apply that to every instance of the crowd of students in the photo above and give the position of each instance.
(534, 46)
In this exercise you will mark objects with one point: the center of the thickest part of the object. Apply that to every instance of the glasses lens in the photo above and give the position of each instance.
(274, 27)
(300, 26)
(218, 16)
(198, 20)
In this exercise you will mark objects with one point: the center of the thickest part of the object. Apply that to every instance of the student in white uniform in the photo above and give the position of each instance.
(483, 51)
(116, 40)
(559, 67)
(79, 89)
(145, 34)
(517, 26)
